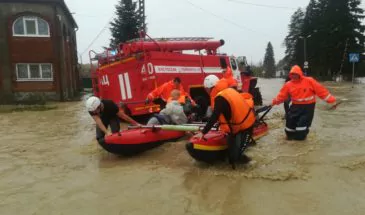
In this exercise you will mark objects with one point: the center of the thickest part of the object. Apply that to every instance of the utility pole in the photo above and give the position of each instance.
(305, 49)
(343, 59)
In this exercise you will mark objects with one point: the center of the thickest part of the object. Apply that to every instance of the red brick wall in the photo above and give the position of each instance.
(32, 50)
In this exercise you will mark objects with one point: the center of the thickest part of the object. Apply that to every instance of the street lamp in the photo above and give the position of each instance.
(305, 45)
(305, 50)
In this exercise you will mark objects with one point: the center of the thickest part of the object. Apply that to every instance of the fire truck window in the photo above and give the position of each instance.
(233, 64)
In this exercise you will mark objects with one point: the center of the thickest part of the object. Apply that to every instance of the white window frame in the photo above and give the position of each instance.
(33, 79)
(31, 18)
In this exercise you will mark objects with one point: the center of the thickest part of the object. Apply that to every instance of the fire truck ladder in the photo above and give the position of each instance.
(174, 39)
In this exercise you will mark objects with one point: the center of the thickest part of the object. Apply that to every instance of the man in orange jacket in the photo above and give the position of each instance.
(302, 91)
(236, 118)
(163, 92)
(227, 73)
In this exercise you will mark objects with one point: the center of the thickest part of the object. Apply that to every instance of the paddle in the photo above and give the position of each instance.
(333, 107)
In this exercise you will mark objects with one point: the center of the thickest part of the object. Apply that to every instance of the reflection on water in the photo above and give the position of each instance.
(51, 164)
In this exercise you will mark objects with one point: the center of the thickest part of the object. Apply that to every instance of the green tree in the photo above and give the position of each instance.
(127, 24)
(269, 62)
(332, 29)
(294, 50)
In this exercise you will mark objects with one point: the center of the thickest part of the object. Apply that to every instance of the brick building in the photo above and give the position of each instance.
(38, 54)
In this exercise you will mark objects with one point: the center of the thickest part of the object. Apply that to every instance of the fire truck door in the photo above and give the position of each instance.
(236, 72)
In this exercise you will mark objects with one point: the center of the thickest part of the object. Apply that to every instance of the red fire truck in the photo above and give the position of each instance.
(127, 75)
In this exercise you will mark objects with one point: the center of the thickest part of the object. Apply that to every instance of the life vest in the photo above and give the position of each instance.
(248, 98)
(219, 86)
(302, 91)
(242, 115)
(181, 100)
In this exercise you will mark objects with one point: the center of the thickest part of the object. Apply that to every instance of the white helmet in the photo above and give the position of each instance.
(92, 103)
(210, 81)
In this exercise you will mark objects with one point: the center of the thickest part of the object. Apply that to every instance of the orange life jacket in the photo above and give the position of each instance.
(181, 99)
(302, 91)
(248, 98)
(242, 115)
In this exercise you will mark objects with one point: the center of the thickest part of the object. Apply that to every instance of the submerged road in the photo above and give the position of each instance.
(51, 164)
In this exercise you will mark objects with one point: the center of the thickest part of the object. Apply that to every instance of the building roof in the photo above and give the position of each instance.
(60, 2)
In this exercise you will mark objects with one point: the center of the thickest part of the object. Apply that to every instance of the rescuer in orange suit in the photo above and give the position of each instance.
(236, 118)
(227, 73)
(163, 92)
(302, 91)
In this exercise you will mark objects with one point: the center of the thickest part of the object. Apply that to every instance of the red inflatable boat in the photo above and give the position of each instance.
(214, 146)
(137, 140)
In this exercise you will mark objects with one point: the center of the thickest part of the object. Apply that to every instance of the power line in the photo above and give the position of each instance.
(263, 5)
(98, 35)
(225, 19)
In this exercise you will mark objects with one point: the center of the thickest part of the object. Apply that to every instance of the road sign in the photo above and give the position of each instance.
(354, 57)
(306, 65)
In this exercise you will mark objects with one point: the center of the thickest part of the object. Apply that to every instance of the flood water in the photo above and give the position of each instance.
(51, 164)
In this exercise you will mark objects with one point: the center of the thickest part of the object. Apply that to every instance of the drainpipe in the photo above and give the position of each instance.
(57, 45)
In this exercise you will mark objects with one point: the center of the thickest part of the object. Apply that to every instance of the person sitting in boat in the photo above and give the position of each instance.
(235, 116)
(227, 73)
(302, 91)
(173, 113)
(106, 112)
(161, 94)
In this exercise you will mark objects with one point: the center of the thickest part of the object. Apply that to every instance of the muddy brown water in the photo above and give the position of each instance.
(51, 164)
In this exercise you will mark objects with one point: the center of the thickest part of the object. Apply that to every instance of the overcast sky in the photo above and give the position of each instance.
(246, 28)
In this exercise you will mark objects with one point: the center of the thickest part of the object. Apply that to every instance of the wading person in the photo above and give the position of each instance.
(105, 113)
(235, 116)
(302, 91)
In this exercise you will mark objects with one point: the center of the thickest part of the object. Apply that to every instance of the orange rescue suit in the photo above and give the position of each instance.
(302, 91)
(164, 91)
(242, 115)
(228, 76)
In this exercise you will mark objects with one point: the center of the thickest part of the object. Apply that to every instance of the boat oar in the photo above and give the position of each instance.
(333, 107)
